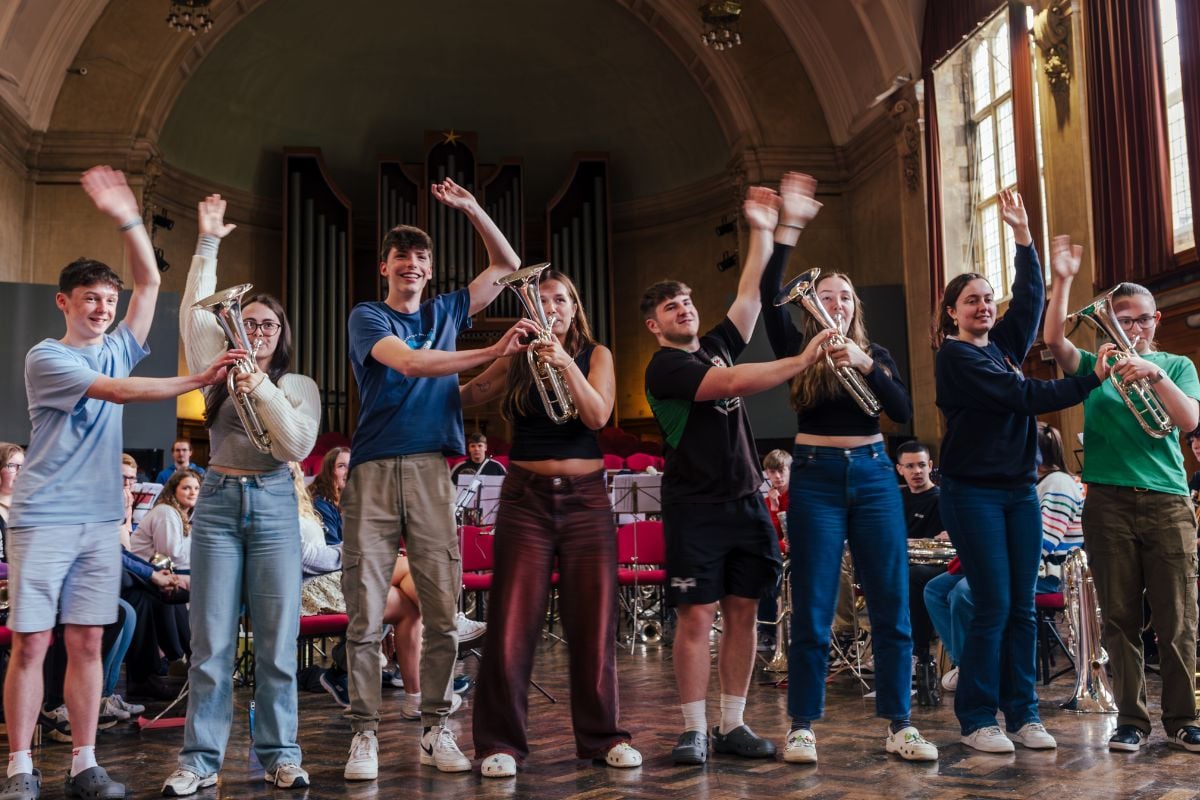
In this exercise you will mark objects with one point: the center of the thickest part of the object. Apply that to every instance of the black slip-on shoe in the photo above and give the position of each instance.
(93, 784)
(692, 748)
(741, 741)
(22, 786)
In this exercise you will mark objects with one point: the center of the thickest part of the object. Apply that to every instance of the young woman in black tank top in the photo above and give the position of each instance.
(553, 504)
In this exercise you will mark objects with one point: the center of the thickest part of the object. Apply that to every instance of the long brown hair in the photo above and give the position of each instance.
(324, 484)
(945, 324)
(516, 401)
(281, 359)
(167, 496)
(1050, 444)
(813, 386)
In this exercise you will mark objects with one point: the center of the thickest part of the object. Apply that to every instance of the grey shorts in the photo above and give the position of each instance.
(75, 567)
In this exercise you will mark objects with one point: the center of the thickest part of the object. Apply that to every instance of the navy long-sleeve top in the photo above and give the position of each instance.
(990, 407)
(838, 415)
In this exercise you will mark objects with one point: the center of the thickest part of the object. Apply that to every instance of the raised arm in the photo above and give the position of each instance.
(395, 354)
(502, 259)
(1018, 330)
(203, 339)
(112, 196)
(1064, 262)
(742, 380)
(761, 210)
(797, 208)
(143, 390)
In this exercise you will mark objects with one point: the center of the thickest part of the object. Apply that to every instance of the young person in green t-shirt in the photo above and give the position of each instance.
(1138, 522)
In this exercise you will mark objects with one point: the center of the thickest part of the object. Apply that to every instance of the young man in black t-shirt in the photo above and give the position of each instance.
(721, 545)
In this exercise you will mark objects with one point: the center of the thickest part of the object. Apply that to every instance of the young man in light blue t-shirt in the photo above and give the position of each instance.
(64, 546)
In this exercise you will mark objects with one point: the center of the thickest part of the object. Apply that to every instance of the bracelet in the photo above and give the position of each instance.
(133, 223)
(790, 225)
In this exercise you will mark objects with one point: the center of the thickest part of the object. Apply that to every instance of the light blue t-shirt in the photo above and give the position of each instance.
(403, 416)
(72, 471)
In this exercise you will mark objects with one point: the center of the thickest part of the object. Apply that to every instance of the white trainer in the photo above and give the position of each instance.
(285, 776)
(989, 740)
(439, 749)
(950, 680)
(1034, 736)
(183, 782)
(909, 744)
(623, 756)
(801, 747)
(468, 629)
(414, 712)
(363, 763)
(133, 708)
(498, 765)
(109, 707)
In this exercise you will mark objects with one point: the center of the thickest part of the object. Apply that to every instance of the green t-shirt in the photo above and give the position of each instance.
(1116, 449)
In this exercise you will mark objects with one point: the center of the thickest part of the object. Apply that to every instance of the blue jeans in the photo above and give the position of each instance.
(839, 495)
(245, 539)
(951, 607)
(116, 653)
(998, 534)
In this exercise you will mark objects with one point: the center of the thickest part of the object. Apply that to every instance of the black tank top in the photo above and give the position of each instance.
(537, 438)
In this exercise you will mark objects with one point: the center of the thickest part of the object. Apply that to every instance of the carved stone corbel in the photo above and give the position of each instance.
(1052, 33)
(908, 142)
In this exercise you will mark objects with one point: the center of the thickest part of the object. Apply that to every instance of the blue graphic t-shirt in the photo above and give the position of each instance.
(403, 416)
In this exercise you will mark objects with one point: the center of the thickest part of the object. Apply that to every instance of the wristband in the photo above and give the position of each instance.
(133, 223)
(790, 225)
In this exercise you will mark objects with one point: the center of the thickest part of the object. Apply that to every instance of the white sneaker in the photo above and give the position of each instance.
(363, 763)
(950, 680)
(183, 782)
(468, 629)
(801, 747)
(623, 756)
(498, 765)
(439, 749)
(414, 712)
(910, 745)
(1034, 736)
(989, 740)
(285, 776)
(107, 706)
(133, 708)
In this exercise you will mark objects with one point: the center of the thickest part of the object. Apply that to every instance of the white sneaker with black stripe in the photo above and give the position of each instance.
(439, 749)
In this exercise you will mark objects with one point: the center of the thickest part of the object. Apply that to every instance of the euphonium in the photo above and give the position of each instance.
(551, 387)
(1139, 396)
(227, 306)
(801, 291)
(783, 623)
(1093, 693)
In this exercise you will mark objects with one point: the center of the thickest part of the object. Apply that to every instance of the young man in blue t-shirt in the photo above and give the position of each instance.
(404, 360)
(64, 537)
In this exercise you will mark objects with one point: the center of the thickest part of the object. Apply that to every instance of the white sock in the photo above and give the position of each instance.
(732, 707)
(693, 716)
(20, 762)
(82, 758)
(412, 700)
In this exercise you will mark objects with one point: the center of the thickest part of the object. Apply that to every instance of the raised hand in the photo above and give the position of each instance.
(111, 194)
(812, 349)
(1065, 257)
(211, 218)
(761, 208)
(218, 369)
(799, 205)
(515, 338)
(451, 194)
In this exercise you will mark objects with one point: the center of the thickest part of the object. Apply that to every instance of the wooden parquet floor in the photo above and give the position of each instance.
(853, 762)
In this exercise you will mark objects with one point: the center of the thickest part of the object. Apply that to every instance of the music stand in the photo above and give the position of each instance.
(480, 494)
(635, 495)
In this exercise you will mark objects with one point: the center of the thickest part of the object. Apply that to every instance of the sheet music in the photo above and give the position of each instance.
(481, 493)
(635, 495)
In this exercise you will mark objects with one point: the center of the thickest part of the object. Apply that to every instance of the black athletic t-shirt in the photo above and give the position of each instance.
(921, 514)
(709, 445)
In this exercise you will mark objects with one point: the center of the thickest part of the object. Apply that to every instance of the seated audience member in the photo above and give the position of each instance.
(476, 455)
(12, 457)
(166, 530)
(777, 466)
(181, 455)
(326, 492)
(951, 608)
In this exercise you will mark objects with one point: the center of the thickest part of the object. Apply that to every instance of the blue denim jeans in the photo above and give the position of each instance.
(245, 542)
(116, 654)
(951, 607)
(839, 495)
(998, 534)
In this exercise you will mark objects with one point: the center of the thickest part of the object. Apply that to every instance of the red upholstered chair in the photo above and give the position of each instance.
(501, 460)
(651, 446)
(1048, 607)
(613, 462)
(641, 554)
(639, 461)
(477, 561)
(454, 461)
(313, 629)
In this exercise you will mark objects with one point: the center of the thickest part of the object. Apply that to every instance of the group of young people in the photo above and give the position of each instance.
(722, 544)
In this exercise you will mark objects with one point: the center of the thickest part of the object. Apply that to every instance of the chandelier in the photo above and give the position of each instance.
(190, 15)
(720, 18)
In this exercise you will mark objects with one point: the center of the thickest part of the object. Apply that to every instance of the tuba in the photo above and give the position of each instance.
(227, 306)
(1139, 396)
(783, 622)
(801, 291)
(551, 387)
(1093, 693)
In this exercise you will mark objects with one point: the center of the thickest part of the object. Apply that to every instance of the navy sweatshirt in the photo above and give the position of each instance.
(990, 407)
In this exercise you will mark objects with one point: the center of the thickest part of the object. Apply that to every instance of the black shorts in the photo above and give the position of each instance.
(719, 549)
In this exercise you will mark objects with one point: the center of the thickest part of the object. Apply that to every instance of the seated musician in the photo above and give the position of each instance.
(777, 467)
(477, 461)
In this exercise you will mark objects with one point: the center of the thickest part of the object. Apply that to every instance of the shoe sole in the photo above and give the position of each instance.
(799, 758)
(1028, 746)
(430, 761)
(1006, 751)
(899, 752)
(211, 780)
(1124, 747)
(361, 773)
(1194, 748)
(299, 783)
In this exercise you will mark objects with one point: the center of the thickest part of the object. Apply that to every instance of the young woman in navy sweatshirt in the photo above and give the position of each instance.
(989, 502)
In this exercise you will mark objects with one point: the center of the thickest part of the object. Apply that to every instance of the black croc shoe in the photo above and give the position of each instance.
(93, 784)
(692, 748)
(741, 741)
(22, 786)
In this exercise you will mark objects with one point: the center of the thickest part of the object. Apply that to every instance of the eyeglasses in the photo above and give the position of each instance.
(12, 466)
(268, 328)
(1142, 322)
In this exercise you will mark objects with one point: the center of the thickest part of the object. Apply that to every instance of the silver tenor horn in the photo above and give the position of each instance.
(1093, 693)
(551, 387)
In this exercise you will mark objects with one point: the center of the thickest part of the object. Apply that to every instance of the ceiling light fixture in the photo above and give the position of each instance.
(720, 18)
(192, 16)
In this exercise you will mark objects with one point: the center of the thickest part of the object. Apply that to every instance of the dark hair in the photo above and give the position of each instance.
(324, 485)
(1191, 437)
(281, 359)
(167, 496)
(516, 400)
(663, 290)
(404, 238)
(913, 446)
(813, 386)
(945, 325)
(1051, 446)
(86, 272)
(476, 438)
